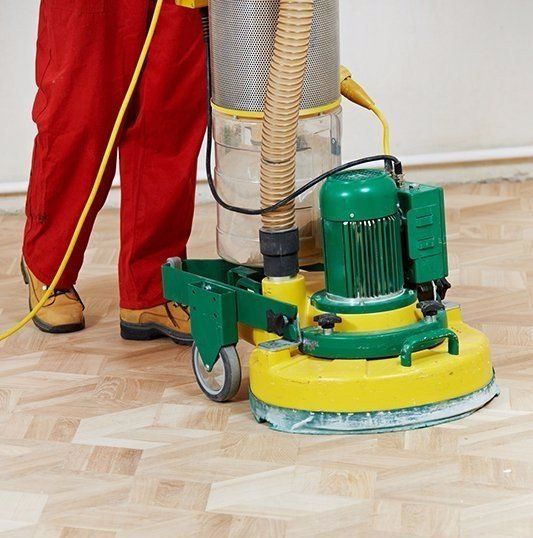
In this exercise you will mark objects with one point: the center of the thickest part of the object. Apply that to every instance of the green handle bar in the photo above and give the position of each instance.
(421, 342)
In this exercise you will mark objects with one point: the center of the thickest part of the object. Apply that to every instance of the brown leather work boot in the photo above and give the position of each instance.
(169, 319)
(62, 313)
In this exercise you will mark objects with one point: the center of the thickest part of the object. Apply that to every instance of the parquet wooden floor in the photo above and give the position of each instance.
(101, 437)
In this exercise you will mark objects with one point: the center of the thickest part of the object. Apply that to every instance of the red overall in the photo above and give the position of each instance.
(86, 54)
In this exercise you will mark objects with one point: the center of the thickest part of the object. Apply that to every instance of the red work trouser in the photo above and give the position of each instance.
(86, 54)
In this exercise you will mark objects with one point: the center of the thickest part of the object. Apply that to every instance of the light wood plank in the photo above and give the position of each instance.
(103, 438)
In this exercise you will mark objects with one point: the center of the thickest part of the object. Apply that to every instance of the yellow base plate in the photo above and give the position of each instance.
(284, 378)
(309, 422)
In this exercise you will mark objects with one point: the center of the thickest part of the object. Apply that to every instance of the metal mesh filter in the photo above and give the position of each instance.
(242, 43)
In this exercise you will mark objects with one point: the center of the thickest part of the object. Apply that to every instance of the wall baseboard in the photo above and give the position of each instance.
(500, 164)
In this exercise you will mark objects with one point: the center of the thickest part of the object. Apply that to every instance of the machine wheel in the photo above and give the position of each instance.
(223, 382)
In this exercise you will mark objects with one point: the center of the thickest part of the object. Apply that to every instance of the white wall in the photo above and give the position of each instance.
(18, 31)
(452, 76)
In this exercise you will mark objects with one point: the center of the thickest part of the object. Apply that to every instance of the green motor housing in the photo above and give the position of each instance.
(361, 226)
(380, 241)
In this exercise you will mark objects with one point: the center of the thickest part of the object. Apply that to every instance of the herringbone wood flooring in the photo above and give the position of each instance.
(101, 437)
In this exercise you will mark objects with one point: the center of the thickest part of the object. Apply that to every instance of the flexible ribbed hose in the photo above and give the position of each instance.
(282, 107)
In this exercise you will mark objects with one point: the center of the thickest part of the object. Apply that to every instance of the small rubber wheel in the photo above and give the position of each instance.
(222, 383)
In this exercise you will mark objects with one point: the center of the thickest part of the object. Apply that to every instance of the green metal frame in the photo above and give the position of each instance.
(220, 295)
(427, 340)
(374, 345)
(324, 302)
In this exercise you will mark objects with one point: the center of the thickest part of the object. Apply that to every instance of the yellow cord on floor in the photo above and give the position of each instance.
(97, 182)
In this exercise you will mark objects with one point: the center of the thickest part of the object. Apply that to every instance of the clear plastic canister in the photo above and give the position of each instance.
(238, 157)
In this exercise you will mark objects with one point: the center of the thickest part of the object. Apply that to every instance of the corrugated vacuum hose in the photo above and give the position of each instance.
(281, 111)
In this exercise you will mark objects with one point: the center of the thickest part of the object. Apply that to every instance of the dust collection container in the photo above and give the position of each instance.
(242, 43)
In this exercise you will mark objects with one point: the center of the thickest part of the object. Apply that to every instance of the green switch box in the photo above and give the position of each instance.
(426, 254)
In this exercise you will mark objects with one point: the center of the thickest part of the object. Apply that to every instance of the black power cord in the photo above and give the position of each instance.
(391, 162)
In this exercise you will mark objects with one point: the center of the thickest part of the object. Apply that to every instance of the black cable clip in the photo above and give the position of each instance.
(430, 308)
(442, 286)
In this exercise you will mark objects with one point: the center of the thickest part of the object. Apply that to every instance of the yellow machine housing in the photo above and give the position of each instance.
(302, 394)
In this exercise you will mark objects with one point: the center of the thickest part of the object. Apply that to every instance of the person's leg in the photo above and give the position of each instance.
(86, 54)
(158, 158)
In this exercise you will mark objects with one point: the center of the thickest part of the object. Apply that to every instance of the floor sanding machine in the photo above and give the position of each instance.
(338, 278)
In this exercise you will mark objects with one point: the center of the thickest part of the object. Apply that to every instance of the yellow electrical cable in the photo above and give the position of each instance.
(386, 129)
(356, 94)
(97, 182)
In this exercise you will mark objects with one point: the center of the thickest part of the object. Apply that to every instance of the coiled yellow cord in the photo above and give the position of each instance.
(97, 182)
